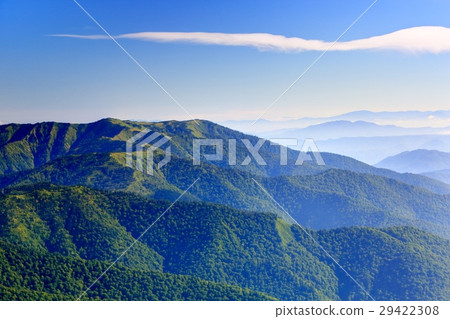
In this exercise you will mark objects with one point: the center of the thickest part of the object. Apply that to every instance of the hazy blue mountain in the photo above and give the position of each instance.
(364, 135)
(442, 175)
(374, 149)
(344, 128)
(421, 117)
(417, 161)
(417, 119)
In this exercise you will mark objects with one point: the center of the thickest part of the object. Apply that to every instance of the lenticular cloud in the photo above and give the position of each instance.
(426, 39)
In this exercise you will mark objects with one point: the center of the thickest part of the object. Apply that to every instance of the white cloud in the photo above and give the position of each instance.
(426, 39)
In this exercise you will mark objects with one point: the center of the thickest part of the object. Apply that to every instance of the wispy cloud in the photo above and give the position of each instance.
(426, 39)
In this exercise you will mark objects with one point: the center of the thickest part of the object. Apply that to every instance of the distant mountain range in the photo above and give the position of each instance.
(431, 163)
(339, 129)
(436, 119)
(69, 204)
(367, 136)
(417, 161)
(372, 150)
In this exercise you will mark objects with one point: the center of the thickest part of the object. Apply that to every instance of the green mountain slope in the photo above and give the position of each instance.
(69, 221)
(337, 198)
(386, 261)
(257, 251)
(202, 238)
(27, 274)
(330, 199)
(27, 146)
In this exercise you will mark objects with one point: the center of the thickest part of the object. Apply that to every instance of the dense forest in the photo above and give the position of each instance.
(209, 242)
(346, 198)
(28, 274)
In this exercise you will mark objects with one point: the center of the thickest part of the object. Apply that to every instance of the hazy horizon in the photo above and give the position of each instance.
(221, 61)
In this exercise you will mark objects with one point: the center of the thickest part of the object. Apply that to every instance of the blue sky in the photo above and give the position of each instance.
(79, 80)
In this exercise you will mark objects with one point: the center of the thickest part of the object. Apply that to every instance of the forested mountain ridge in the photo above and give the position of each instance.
(441, 175)
(215, 243)
(330, 199)
(29, 274)
(27, 146)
